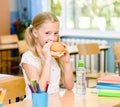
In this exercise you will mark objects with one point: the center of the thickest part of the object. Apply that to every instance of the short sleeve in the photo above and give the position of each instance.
(29, 58)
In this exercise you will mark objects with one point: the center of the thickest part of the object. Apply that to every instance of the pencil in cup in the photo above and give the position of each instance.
(2, 95)
(39, 97)
(47, 85)
(35, 89)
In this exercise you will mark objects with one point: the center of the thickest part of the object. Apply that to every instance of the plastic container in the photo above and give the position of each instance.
(80, 79)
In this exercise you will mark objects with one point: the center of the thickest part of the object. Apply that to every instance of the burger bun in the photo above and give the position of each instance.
(57, 49)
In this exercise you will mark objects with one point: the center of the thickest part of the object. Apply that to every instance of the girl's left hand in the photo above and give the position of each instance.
(66, 56)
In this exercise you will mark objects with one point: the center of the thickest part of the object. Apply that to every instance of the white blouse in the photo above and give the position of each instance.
(29, 58)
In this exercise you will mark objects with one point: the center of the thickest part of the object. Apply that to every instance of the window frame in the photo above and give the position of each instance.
(83, 33)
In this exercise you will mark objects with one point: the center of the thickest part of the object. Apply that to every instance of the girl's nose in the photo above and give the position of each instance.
(52, 37)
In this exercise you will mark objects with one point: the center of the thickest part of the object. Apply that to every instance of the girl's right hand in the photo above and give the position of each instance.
(46, 50)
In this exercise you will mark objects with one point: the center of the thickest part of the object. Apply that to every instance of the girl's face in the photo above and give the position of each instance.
(48, 31)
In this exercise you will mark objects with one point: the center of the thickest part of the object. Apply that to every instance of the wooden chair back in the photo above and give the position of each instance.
(8, 39)
(88, 48)
(22, 46)
(116, 49)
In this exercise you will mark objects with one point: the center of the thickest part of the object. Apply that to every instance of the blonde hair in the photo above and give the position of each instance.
(37, 22)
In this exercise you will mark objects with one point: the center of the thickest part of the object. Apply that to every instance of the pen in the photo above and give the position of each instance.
(2, 95)
(34, 83)
(31, 88)
(47, 84)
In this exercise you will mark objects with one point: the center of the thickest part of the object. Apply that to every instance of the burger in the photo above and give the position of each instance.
(57, 49)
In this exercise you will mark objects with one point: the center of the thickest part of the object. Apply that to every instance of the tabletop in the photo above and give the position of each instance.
(69, 99)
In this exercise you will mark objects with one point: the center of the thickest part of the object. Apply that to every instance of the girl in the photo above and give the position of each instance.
(37, 63)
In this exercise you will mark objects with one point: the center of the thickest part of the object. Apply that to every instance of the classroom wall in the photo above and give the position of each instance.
(13, 11)
(4, 17)
(24, 10)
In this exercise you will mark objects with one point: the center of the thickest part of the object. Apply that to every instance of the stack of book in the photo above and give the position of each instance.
(108, 86)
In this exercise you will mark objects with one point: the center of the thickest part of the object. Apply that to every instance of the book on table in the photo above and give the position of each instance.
(115, 79)
(108, 86)
(109, 93)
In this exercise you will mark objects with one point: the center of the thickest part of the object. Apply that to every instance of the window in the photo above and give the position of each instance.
(99, 15)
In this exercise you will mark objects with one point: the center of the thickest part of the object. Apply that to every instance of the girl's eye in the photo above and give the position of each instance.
(47, 33)
(56, 33)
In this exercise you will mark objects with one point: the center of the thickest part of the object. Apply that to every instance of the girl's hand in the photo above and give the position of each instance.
(66, 56)
(46, 50)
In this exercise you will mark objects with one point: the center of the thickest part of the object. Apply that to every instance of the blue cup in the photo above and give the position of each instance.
(40, 99)
(0, 105)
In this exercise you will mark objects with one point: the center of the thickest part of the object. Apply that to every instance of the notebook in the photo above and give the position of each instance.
(107, 87)
(109, 93)
(115, 79)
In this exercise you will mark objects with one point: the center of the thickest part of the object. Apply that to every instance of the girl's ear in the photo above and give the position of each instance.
(35, 33)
